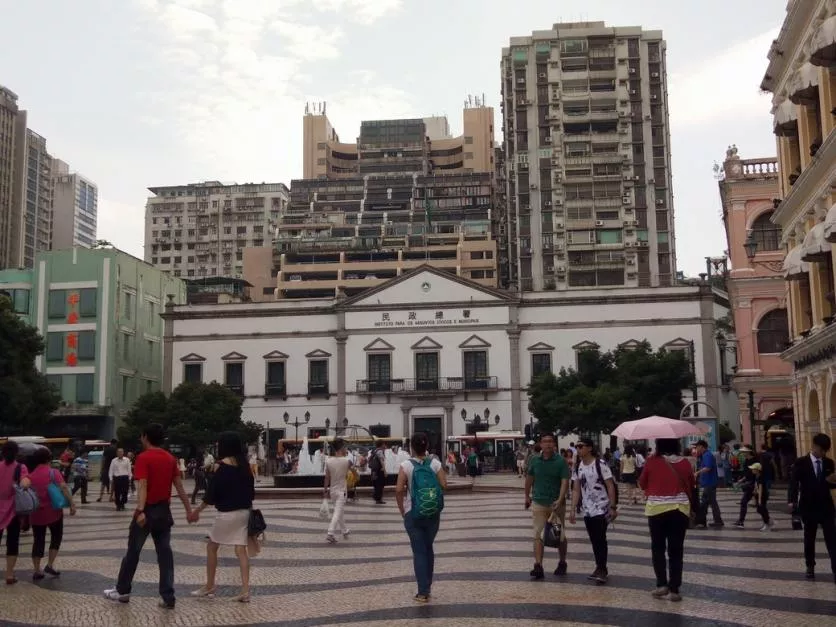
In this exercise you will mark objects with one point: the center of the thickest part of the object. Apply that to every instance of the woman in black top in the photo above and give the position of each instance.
(231, 491)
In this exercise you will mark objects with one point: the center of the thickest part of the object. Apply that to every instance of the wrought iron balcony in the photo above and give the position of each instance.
(318, 389)
(236, 389)
(275, 390)
(427, 384)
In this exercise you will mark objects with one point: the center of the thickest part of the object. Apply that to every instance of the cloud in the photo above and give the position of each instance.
(186, 23)
(122, 224)
(309, 42)
(723, 86)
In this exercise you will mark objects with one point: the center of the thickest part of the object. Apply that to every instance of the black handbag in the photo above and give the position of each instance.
(256, 524)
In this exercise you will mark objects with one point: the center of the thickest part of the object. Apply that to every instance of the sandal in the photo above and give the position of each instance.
(11, 582)
(204, 592)
(242, 598)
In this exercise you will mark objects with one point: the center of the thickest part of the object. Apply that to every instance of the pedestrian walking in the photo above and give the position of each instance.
(472, 463)
(546, 487)
(156, 470)
(79, 474)
(668, 482)
(231, 491)
(108, 455)
(66, 460)
(200, 482)
(594, 490)
(746, 484)
(11, 472)
(47, 516)
(520, 456)
(377, 467)
(120, 478)
(419, 495)
(761, 495)
(337, 468)
(628, 473)
(811, 480)
(708, 477)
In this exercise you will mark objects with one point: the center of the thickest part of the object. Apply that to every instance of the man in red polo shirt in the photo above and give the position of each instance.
(156, 471)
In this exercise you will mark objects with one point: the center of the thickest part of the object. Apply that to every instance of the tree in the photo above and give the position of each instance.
(27, 400)
(193, 415)
(609, 388)
(726, 434)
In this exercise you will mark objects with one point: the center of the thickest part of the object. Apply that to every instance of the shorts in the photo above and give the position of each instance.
(540, 516)
(628, 478)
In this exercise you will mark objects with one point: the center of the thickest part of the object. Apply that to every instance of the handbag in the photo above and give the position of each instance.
(56, 494)
(256, 524)
(26, 499)
(552, 532)
(692, 515)
(325, 510)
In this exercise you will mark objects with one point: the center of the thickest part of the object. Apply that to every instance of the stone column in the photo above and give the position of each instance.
(447, 429)
(168, 348)
(406, 430)
(342, 337)
(514, 343)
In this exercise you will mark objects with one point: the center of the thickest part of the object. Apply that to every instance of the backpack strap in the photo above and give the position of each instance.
(600, 473)
(17, 474)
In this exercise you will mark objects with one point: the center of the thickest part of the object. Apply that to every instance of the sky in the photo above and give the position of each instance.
(140, 93)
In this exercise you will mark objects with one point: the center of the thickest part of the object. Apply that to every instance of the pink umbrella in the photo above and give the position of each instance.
(656, 427)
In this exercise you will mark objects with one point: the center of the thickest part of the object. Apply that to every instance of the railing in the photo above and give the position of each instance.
(318, 389)
(429, 384)
(236, 389)
(275, 390)
(757, 168)
(82, 409)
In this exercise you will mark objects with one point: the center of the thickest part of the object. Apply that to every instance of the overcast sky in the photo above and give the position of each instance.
(138, 93)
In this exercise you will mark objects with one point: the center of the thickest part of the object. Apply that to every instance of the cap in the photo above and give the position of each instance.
(756, 466)
(745, 449)
(586, 442)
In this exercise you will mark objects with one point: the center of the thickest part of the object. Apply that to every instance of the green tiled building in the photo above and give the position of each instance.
(99, 312)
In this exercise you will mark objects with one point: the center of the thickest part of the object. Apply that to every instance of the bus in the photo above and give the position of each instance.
(496, 449)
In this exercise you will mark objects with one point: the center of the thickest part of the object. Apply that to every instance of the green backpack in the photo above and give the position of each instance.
(426, 493)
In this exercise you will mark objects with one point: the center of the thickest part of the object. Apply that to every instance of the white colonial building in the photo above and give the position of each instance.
(414, 352)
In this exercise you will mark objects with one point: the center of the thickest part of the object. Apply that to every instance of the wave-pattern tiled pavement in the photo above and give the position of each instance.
(483, 555)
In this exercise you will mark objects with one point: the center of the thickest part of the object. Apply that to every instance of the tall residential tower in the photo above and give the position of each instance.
(587, 148)
(75, 202)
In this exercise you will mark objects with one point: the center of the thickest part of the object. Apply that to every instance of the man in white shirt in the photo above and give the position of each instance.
(336, 473)
(120, 478)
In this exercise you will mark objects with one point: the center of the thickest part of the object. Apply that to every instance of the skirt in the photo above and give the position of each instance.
(230, 528)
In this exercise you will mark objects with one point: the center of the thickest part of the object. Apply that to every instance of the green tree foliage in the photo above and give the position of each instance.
(609, 388)
(726, 434)
(27, 400)
(193, 415)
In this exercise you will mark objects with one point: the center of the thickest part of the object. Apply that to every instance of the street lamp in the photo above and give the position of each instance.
(723, 345)
(476, 422)
(751, 247)
(296, 423)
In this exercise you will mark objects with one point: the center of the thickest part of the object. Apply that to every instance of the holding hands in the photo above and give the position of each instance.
(193, 516)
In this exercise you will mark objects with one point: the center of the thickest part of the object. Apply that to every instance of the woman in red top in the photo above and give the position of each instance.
(668, 482)
(46, 515)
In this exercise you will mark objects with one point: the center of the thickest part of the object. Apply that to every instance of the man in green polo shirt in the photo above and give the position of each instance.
(548, 475)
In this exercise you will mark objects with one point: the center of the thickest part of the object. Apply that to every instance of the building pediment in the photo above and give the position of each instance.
(318, 354)
(474, 341)
(427, 286)
(630, 345)
(679, 342)
(193, 357)
(426, 343)
(586, 346)
(233, 356)
(276, 355)
(541, 347)
(379, 345)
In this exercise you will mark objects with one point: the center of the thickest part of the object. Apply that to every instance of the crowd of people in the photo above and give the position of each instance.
(676, 491)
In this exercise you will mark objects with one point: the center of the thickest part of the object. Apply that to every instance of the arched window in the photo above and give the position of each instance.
(773, 332)
(767, 235)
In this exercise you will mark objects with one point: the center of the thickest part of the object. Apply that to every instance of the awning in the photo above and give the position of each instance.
(785, 118)
(815, 247)
(823, 44)
(804, 83)
(794, 268)
(830, 225)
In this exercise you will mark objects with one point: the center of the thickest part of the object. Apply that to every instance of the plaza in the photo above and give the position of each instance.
(483, 555)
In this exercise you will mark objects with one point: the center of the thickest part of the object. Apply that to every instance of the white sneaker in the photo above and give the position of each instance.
(112, 594)
(767, 527)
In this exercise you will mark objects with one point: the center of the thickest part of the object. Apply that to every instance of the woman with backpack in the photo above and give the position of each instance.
(47, 516)
(11, 472)
(419, 494)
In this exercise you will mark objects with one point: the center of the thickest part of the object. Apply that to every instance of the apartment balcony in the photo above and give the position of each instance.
(275, 390)
(238, 390)
(428, 386)
(318, 389)
(82, 409)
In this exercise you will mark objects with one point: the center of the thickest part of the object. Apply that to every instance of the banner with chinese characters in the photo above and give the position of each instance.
(71, 338)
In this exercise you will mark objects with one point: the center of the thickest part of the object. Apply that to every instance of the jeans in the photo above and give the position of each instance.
(667, 531)
(121, 485)
(828, 527)
(422, 532)
(596, 528)
(80, 483)
(762, 501)
(708, 497)
(165, 557)
(748, 493)
(56, 534)
(12, 537)
(338, 517)
(378, 481)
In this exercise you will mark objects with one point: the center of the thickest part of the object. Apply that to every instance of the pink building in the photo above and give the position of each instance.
(757, 294)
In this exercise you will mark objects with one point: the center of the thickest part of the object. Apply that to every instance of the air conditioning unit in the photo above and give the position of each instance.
(631, 223)
(521, 81)
(561, 270)
(558, 224)
(558, 246)
(651, 181)
(533, 186)
(555, 96)
(654, 97)
(599, 223)
(659, 201)
(547, 203)
(625, 200)
(622, 114)
(549, 268)
(642, 244)
(629, 244)
(631, 262)
(647, 118)
(541, 75)
(633, 92)
(558, 203)
(628, 177)
(631, 275)
(523, 165)
(547, 139)
(632, 70)
(558, 178)
(654, 75)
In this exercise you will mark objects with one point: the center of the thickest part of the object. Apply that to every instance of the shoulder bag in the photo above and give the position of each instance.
(56, 494)
(26, 499)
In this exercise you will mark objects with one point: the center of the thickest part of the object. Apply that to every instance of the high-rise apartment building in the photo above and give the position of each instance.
(201, 230)
(74, 208)
(9, 113)
(587, 149)
(405, 194)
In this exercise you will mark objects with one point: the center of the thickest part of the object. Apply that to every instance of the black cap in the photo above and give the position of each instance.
(586, 442)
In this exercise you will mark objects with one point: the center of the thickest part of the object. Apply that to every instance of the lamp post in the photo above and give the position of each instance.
(477, 422)
(723, 345)
(751, 247)
(296, 423)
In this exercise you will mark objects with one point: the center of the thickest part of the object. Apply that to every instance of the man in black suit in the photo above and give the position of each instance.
(812, 479)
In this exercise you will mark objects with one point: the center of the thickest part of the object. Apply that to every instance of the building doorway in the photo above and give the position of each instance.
(431, 425)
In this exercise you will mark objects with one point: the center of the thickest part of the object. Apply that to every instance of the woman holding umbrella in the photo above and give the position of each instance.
(668, 482)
